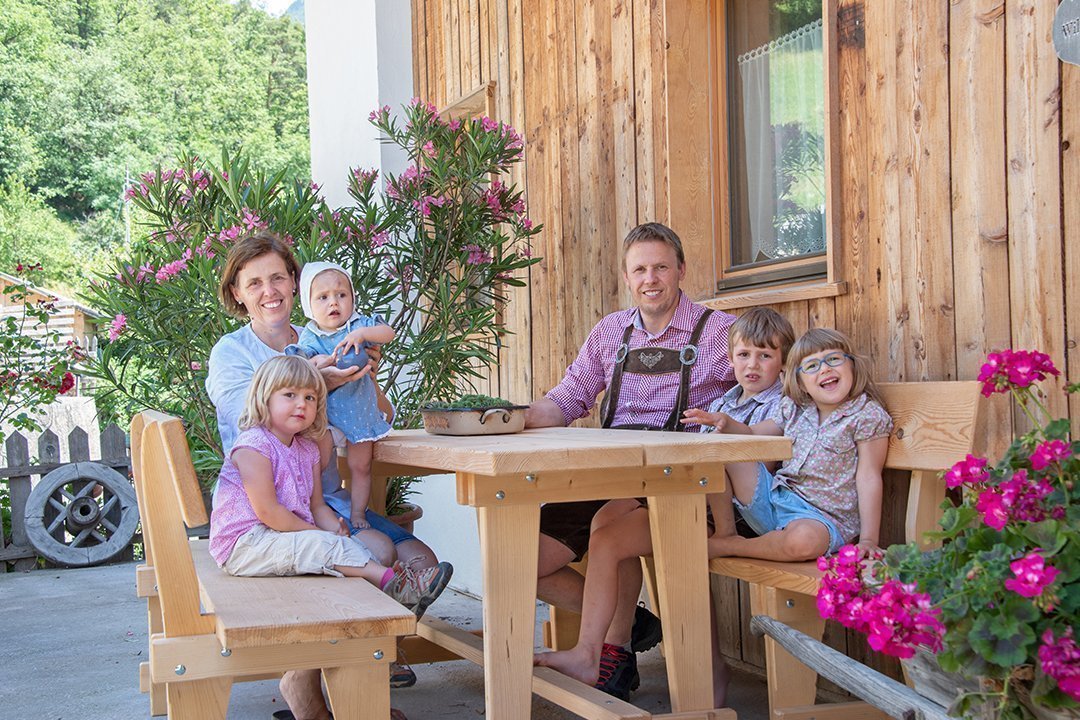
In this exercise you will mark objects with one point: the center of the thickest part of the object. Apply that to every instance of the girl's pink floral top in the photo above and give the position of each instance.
(824, 456)
(294, 477)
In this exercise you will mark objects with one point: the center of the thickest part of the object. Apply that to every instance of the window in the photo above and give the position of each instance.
(772, 128)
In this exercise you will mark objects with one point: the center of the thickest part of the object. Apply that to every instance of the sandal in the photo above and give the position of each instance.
(401, 675)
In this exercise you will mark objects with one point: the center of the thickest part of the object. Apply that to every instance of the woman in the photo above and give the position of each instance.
(259, 283)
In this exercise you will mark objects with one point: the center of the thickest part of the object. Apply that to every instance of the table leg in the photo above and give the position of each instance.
(509, 543)
(682, 572)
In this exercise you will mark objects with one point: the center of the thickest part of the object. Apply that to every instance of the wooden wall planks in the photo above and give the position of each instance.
(958, 137)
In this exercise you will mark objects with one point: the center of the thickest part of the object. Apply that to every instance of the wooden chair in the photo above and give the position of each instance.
(209, 629)
(935, 425)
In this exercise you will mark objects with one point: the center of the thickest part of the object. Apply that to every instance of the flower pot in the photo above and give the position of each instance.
(474, 421)
(410, 514)
(929, 680)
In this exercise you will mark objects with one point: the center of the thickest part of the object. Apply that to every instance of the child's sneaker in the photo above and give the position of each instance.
(416, 589)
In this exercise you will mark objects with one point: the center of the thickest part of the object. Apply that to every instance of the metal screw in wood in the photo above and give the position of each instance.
(180, 669)
(703, 482)
(530, 478)
(378, 654)
(226, 652)
(667, 470)
(500, 495)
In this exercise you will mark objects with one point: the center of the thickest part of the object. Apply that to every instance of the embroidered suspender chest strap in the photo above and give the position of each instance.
(654, 361)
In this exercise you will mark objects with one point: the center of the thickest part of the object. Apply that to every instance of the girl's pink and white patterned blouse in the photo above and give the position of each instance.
(294, 477)
(824, 457)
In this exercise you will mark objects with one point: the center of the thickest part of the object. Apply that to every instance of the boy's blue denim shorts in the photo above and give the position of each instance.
(342, 506)
(776, 508)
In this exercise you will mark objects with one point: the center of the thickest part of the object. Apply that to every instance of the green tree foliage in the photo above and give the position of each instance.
(93, 90)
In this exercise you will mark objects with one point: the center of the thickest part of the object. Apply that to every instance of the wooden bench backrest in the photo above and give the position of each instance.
(935, 425)
(165, 483)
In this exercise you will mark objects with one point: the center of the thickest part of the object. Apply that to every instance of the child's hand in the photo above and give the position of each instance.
(359, 518)
(342, 528)
(869, 549)
(353, 341)
(717, 421)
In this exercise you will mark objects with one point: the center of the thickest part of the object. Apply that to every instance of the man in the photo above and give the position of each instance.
(657, 359)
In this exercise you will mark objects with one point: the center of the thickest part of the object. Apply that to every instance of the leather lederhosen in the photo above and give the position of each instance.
(654, 361)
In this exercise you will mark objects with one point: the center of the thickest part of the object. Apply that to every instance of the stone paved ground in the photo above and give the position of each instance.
(71, 642)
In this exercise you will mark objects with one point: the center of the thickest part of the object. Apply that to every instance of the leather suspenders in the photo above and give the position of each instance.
(654, 361)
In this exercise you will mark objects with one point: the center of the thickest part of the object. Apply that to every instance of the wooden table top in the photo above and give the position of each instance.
(546, 449)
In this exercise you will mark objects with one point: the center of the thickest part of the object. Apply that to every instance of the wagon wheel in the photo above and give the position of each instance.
(90, 510)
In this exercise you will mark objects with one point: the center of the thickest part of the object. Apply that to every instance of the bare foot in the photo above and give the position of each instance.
(302, 691)
(576, 663)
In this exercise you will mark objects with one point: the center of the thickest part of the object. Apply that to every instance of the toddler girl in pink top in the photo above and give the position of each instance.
(269, 514)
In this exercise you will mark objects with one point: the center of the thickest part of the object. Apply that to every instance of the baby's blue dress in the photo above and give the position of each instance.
(352, 408)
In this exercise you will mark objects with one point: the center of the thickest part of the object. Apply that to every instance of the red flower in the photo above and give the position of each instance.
(66, 383)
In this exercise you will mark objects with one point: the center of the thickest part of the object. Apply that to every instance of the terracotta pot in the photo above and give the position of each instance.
(406, 519)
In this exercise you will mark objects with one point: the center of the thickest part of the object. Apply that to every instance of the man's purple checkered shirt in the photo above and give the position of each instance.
(647, 399)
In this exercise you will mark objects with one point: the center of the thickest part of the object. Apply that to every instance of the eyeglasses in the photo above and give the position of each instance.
(811, 367)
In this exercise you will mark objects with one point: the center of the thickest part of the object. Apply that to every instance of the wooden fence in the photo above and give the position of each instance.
(22, 474)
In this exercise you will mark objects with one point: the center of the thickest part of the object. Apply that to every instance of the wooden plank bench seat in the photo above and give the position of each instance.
(935, 425)
(209, 629)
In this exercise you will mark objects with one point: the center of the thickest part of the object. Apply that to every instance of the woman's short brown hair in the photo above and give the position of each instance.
(244, 251)
(654, 231)
(283, 371)
(818, 340)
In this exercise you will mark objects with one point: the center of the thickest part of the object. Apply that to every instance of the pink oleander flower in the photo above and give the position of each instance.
(477, 255)
(251, 221)
(425, 204)
(170, 270)
(378, 113)
(1033, 575)
(527, 224)
(1060, 659)
(1049, 452)
(488, 124)
(116, 327)
(969, 471)
(1014, 369)
(379, 239)
(195, 365)
(454, 125)
(428, 149)
(230, 234)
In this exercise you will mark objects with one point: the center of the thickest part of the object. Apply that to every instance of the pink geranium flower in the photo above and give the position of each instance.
(1033, 575)
(969, 471)
(1014, 369)
(1060, 659)
(1049, 452)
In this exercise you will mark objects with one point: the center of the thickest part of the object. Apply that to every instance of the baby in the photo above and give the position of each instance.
(338, 331)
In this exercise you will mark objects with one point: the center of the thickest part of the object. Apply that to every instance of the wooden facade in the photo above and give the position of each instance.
(955, 185)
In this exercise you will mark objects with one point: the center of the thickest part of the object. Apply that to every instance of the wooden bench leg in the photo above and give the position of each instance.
(359, 691)
(790, 682)
(158, 705)
(199, 699)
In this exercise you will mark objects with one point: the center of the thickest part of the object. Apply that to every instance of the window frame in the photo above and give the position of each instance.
(802, 274)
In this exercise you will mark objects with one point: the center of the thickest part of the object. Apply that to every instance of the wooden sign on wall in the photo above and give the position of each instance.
(1067, 31)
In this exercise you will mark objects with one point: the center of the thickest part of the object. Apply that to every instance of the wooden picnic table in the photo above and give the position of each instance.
(507, 477)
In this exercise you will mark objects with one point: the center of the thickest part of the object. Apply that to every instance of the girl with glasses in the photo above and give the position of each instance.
(829, 492)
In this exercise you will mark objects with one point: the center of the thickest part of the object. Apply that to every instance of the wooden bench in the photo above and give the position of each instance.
(935, 425)
(209, 629)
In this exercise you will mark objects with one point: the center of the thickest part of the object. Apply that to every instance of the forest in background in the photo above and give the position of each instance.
(95, 92)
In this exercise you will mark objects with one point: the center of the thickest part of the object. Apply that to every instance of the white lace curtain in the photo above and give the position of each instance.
(781, 82)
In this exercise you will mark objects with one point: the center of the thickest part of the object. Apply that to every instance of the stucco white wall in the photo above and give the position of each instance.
(359, 55)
